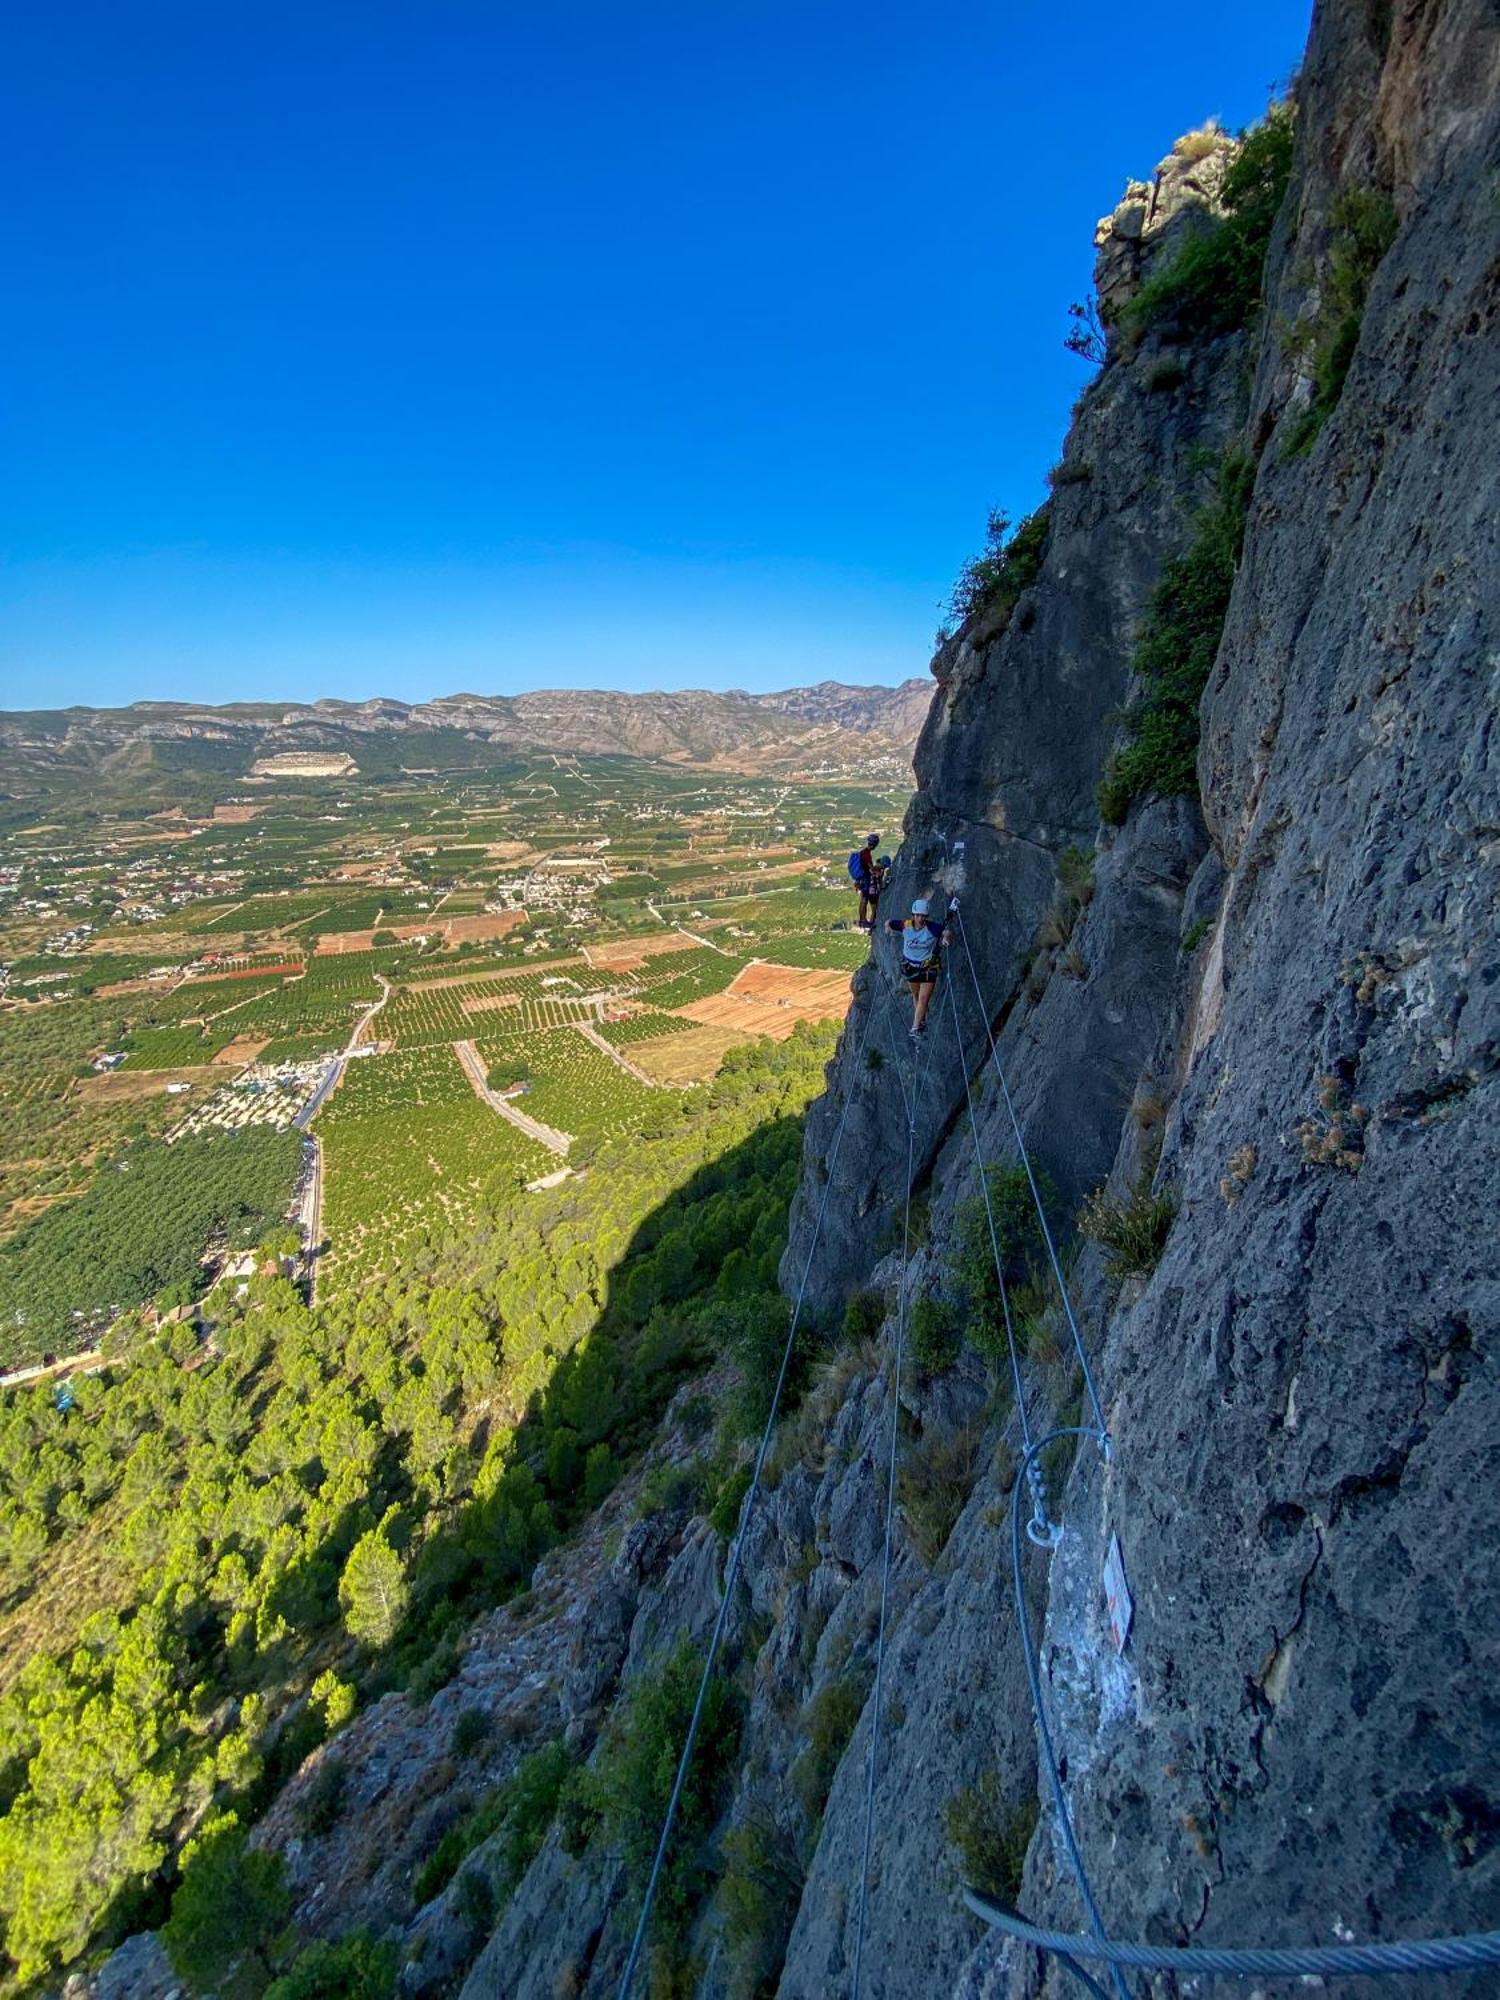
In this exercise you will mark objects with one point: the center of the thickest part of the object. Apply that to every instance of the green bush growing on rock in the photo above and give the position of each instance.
(672, 1488)
(1212, 285)
(1175, 653)
(1018, 1236)
(759, 1895)
(1131, 1232)
(520, 1811)
(938, 1472)
(435, 1670)
(1035, 1314)
(321, 1806)
(829, 1720)
(624, 1796)
(469, 1731)
(357, 1967)
(863, 1315)
(932, 1335)
(1364, 224)
(231, 1903)
(990, 1838)
(724, 1515)
(1008, 564)
(1195, 933)
(754, 1331)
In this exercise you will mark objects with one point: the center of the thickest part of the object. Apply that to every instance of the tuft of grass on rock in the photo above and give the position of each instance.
(989, 1837)
(1132, 1232)
(938, 1473)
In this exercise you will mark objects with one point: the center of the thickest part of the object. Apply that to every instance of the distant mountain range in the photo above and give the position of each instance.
(829, 727)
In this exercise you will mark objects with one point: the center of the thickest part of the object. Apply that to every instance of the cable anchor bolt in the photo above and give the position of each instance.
(1039, 1529)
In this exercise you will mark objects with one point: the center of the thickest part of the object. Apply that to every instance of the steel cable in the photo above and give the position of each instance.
(912, 1102)
(1377, 1960)
(1036, 1195)
(1039, 1529)
(731, 1571)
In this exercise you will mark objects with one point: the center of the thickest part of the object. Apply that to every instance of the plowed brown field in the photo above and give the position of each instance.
(772, 999)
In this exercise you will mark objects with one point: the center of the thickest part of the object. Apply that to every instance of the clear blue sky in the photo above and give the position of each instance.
(357, 349)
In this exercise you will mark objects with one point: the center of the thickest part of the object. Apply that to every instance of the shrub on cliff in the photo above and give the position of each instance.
(625, 1794)
(1018, 1239)
(990, 1837)
(1007, 564)
(521, 1810)
(357, 1967)
(232, 1903)
(1132, 1232)
(759, 1896)
(1364, 225)
(1175, 653)
(1213, 283)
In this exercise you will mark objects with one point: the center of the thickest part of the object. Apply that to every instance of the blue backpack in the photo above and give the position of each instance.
(857, 867)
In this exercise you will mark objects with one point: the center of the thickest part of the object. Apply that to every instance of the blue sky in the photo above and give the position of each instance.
(391, 349)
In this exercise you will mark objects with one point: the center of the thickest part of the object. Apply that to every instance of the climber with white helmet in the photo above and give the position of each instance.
(922, 939)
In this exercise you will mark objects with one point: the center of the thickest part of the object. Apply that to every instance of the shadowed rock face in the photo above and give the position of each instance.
(1008, 763)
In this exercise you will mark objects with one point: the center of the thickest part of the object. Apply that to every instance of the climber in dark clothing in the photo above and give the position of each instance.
(867, 876)
(922, 939)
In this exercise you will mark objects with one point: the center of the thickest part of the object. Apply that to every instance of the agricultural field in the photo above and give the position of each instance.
(152, 951)
(410, 1152)
(574, 1087)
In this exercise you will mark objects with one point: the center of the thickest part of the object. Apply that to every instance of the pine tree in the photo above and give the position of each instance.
(231, 1903)
(373, 1590)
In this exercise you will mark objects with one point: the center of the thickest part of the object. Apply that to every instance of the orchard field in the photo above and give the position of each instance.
(147, 957)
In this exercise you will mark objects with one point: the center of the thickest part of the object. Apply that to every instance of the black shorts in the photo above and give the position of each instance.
(920, 975)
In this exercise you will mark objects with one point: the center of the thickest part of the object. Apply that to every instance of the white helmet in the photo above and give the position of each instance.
(920, 907)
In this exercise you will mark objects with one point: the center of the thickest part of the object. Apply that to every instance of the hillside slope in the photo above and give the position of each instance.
(798, 729)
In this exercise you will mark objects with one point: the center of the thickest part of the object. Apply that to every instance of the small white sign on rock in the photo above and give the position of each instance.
(1117, 1597)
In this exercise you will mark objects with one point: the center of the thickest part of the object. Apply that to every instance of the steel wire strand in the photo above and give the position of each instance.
(1036, 1195)
(1469, 1952)
(1040, 1528)
(1464, 1953)
(1039, 1709)
(731, 1570)
(912, 1103)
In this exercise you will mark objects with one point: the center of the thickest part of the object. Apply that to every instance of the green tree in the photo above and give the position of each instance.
(231, 1903)
(373, 1590)
(337, 1698)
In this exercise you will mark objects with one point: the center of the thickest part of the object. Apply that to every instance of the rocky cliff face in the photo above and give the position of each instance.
(1275, 1004)
(1299, 1741)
